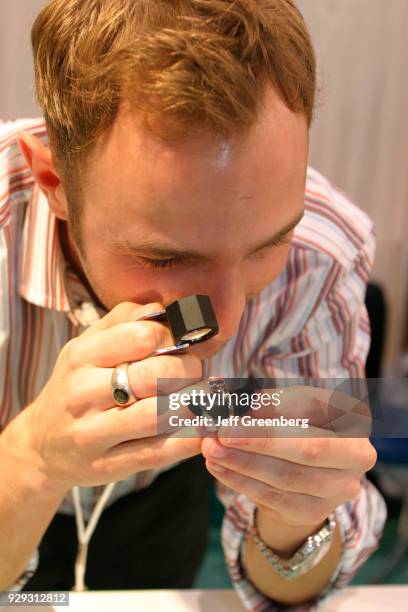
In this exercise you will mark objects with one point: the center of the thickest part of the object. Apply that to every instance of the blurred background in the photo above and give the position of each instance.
(359, 141)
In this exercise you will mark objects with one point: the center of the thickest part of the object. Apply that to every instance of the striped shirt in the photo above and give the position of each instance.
(310, 321)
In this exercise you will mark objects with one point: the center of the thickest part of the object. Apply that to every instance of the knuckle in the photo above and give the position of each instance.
(121, 313)
(147, 458)
(123, 310)
(370, 457)
(64, 351)
(264, 445)
(72, 402)
(72, 354)
(82, 437)
(100, 467)
(189, 446)
(248, 461)
(146, 337)
(313, 450)
(76, 437)
(295, 477)
(272, 497)
(363, 454)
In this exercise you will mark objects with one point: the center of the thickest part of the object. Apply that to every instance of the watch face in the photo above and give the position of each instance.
(306, 557)
(312, 553)
(315, 556)
(314, 549)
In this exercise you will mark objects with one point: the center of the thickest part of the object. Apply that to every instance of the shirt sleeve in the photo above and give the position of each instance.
(6, 269)
(4, 338)
(333, 343)
(361, 524)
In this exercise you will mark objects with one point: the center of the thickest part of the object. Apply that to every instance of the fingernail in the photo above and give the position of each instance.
(215, 467)
(233, 441)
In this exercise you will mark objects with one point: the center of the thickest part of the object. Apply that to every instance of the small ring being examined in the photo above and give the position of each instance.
(121, 390)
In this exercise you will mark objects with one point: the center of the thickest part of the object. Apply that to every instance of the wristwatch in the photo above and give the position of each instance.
(306, 557)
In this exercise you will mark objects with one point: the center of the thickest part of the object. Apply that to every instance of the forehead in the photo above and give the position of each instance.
(155, 186)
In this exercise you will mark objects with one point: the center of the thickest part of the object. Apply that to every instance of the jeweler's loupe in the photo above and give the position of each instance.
(191, 320)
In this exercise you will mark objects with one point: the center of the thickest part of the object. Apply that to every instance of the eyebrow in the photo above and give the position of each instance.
(149, 247)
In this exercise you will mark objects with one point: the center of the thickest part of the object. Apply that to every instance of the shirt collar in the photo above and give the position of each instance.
(47, 279)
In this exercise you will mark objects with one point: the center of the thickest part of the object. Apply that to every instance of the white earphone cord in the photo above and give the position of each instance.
(84, 534)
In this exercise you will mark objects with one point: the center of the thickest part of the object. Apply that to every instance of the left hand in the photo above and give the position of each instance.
(299, 480)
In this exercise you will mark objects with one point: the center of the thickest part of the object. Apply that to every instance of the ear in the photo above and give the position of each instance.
(39, 159)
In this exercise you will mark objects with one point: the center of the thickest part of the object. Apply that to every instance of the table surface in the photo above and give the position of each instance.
(357, 599)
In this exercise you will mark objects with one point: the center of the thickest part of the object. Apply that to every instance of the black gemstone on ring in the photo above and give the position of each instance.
(120, 396)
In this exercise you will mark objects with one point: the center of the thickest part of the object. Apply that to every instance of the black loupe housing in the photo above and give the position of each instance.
(192, 319)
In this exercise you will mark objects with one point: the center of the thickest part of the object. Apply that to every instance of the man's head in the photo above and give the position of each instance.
(178, 131)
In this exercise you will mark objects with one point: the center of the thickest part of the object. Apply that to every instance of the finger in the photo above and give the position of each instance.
(298, 509)
(291, 406)
(123, 313)
(284, 475)
(327, 452)
(329, 409)
(144, 375)
(91, 389)
(129, 341)
(139, 420)
(149, 453)
(105, 429)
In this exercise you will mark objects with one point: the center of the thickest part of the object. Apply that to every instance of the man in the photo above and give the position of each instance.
(174, 162)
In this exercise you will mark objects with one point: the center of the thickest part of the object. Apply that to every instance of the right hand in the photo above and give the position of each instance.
(73, 434)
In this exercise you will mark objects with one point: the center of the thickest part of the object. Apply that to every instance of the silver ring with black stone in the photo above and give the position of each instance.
(121, 390)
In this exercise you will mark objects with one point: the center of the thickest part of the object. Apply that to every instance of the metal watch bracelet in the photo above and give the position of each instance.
(306, 557)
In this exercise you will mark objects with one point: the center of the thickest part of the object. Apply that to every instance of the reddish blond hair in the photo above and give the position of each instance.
(186, 66)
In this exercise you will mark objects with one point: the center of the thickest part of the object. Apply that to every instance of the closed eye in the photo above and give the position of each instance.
(284, 240)
(160, 264)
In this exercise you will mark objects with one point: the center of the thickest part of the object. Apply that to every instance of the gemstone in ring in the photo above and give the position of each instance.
(121, 389)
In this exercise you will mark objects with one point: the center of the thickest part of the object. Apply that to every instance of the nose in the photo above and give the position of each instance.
(228, 300)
